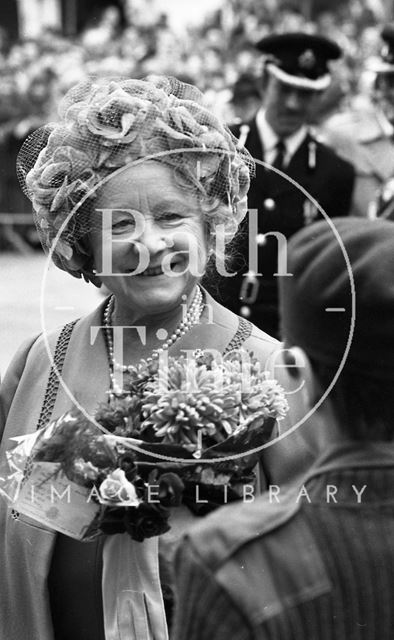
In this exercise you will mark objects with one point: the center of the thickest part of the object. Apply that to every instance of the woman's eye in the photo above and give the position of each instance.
(123, 225)
(170, 216)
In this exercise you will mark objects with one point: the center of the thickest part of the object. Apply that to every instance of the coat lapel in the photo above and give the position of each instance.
(86, 369)
(298, 167)
(85, 376)
(253, 141)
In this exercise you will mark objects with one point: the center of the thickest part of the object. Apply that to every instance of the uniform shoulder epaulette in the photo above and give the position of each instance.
(247, 548)
(219, 536)
(282, 568)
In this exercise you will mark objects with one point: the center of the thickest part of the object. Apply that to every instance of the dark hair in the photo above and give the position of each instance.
(234, 261)
(363, 406)
(247, 85)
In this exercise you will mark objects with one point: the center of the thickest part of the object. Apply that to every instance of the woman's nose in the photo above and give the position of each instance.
(153, 237)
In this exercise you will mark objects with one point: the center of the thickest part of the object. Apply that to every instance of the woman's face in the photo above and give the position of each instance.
(151, 248)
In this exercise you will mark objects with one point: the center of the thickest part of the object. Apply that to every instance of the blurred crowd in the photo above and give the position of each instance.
(34, 73)
(217, 55)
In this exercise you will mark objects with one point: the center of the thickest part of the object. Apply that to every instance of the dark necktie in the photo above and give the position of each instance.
(280, 148)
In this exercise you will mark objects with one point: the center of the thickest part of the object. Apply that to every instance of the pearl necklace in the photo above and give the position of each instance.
(191, 318)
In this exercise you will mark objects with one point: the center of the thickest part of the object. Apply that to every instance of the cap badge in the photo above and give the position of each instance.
(307, 59)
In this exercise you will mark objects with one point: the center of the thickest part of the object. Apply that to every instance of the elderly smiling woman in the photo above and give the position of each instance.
(137, 187)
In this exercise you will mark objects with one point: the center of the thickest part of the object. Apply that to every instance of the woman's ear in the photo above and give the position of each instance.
(82, 262)
(90, 276)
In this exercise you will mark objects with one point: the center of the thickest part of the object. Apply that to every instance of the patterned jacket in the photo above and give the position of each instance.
(316, 563)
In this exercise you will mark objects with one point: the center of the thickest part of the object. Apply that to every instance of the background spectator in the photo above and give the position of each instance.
(133, 38)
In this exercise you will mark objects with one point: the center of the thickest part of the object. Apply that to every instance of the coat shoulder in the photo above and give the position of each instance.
(255, 339)
(262, 345)
(220, 535)
(240, 544)
(39, 346)
(244, 130)
(331, 159)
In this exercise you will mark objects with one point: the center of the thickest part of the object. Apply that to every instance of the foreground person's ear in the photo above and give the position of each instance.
(299, 368)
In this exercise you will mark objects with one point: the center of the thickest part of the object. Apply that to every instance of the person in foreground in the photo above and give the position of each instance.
(315, 561)
(128, 189)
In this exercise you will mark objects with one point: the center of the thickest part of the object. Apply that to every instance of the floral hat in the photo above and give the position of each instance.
(106, 124)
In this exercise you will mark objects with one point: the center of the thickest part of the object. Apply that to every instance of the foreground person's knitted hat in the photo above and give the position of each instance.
(316, 302)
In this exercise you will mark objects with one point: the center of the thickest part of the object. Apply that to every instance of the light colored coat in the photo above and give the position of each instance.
(25, 547)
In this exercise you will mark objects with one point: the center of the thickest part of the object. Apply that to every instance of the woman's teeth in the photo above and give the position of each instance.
(158, 271)
(152, 271)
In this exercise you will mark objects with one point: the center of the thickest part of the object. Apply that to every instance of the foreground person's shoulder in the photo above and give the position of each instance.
(224, 317)
(243, 548)
(218, 536)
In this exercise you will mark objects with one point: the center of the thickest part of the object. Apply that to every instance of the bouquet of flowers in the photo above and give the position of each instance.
(187, 434)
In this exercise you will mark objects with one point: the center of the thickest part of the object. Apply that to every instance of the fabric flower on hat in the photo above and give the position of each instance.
(106, 125)
(54, 179)
(121, 118)
(58, 183)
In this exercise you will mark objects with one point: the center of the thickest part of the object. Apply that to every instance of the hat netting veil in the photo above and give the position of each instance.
(107, 124)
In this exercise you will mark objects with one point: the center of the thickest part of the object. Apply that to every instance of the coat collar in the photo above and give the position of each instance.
(269, 138)
(353, 455)
(216, 541)
(253, 141)
(86, 367)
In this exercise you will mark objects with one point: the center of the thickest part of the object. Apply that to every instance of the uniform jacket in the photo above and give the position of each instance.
(284, 208)
(318, 565)
(26, 547)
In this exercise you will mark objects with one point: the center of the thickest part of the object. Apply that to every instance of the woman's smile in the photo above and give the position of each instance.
(175, 266)
(151, 271)
(156, 238)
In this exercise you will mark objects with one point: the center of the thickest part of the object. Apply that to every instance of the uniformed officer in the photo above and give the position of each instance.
(295, 73)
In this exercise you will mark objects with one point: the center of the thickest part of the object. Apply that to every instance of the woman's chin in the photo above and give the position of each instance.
(155, 294)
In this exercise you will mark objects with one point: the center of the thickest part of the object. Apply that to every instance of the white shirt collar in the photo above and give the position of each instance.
(269, 138)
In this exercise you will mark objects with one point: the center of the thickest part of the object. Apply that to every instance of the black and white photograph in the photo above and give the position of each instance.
(196, 327)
